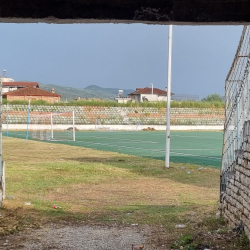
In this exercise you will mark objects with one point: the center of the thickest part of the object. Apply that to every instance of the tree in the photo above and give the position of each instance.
(212, 98)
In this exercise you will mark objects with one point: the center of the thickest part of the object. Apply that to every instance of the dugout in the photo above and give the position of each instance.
(126, 11)
(181, 12)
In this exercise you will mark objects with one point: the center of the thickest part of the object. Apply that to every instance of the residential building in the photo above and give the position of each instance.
(33, 94)
(12, 85)
(148, 94)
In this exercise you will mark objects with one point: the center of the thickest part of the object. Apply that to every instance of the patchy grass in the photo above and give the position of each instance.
(106, 187)
(84, 179)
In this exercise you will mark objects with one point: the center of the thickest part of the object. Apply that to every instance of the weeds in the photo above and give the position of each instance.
(109, 103)
(184, 242)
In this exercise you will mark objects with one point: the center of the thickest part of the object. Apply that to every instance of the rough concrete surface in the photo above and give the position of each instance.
(77, 238)
(126, 11)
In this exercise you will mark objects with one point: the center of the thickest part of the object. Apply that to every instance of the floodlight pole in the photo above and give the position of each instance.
(170, 31)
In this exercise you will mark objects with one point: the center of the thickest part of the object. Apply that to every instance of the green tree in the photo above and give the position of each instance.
(212, 98)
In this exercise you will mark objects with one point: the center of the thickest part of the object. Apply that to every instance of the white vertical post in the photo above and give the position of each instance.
(7, 121)
(152, 88)
(1, 162)
(238, 115)
(3, 179)
(51, 120)
(28, 120)
(168, 97)
(74, 131)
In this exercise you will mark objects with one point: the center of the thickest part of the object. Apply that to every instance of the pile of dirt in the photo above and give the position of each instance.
(149, 129)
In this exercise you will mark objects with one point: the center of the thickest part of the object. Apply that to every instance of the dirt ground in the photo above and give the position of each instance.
(19, 231)
(58, 236)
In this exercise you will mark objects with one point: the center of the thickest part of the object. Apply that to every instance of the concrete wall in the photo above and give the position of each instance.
(127, 11)
(110, 127)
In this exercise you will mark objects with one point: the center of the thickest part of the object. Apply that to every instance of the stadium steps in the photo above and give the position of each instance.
(117, 115)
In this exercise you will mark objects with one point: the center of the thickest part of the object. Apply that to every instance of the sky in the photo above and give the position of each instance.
(124, 56)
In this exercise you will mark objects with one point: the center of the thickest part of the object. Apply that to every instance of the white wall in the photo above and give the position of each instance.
(112, 127)
(7, 79)
(8, 89)
(153, 98)
(135, 98)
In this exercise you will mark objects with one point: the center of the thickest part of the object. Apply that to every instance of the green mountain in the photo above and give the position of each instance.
(113, 91)
(92, 91)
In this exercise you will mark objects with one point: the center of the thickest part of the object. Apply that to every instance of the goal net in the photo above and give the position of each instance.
(52, 126)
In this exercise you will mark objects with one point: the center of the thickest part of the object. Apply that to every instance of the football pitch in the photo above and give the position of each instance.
(194, 147)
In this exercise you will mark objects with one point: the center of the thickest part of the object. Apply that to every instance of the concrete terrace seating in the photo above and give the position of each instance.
(117, 115)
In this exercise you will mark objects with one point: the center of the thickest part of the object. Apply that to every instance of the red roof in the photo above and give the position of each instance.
(21, 84)
(148, 91)
(30, 91)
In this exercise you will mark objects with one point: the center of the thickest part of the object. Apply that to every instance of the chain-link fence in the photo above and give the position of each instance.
(237, 106)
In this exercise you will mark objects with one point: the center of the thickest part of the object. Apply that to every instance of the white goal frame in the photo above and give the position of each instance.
(47, 130)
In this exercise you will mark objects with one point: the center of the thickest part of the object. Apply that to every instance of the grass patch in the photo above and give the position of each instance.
(61, 173)
(106, 187)
(145, 214)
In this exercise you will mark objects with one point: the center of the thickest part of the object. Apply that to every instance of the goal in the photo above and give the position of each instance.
(54, 126)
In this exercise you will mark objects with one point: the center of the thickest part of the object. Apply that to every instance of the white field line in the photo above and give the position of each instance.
(204, 149)
(145, 149)
(201, 156)
(120, 139)
(194, 136)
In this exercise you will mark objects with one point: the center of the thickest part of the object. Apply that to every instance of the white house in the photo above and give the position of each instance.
(12, 85)
(148, 94)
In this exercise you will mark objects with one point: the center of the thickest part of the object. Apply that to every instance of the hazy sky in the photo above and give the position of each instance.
(119, 55)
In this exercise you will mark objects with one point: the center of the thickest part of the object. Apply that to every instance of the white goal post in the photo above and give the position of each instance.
(53, 126)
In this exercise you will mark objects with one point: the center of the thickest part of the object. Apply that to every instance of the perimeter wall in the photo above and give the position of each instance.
(235, 199)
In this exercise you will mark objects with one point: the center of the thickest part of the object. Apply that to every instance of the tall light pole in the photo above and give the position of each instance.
(170, 31)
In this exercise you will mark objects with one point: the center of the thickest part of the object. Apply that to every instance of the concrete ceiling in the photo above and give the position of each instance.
(126, 11)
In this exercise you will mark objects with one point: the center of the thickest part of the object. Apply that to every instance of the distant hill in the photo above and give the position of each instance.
(92, 91)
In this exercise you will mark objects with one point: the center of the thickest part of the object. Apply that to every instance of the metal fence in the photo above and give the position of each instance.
(237, 106)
